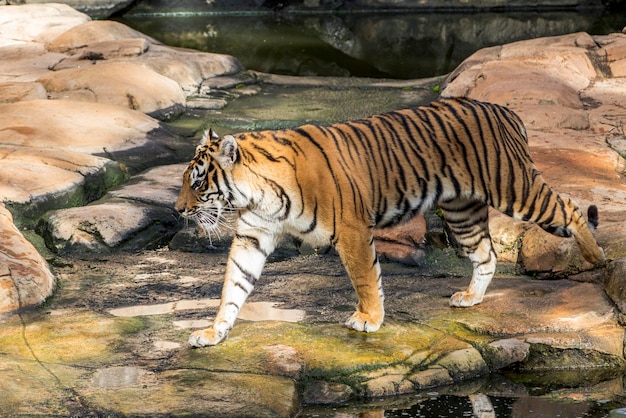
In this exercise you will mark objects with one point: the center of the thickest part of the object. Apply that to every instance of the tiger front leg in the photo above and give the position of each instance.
(358, 255)
(243, 268)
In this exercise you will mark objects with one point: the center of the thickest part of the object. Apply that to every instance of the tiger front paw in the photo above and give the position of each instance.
(465, 299)
(204, 337)
(360, 321)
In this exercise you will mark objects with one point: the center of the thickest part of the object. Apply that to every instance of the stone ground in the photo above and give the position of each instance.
(113, 338)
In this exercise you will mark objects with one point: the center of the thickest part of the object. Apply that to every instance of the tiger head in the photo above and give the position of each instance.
(205, 194)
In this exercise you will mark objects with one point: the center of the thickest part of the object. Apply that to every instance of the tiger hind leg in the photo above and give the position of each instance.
(357, 252)
(468, 221)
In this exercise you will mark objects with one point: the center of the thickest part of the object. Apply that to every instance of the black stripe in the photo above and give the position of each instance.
(256, 244)
(250, 278)
(235, 305)
(303, 132)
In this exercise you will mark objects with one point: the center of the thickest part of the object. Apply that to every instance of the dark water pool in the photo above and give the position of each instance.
(389, 45)
(506, 395)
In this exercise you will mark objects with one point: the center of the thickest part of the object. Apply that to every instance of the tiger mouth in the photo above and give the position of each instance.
(210, 221)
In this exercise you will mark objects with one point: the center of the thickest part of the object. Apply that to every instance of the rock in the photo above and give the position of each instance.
(323, 392)
(431, 377)
(503, 353)
(138, 215)
(157, 186)
(614, 282)
(402, 243)
(283, 361)
(92, 35)
(107, 226)
(559, 63)
(101, 129)
(108, 50)
(121, 377)
(563, 259)
(564, 315)
(559, 320)
(18, 91)
(99, 42)
(37, 22)
(121, 84)
(25, 278)
(389, 384)
(74, 160)
(464, 364)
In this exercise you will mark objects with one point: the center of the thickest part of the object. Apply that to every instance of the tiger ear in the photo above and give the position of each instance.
(208, 135)
(227, 154)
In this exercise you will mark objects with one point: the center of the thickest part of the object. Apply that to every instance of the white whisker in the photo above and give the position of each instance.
(212, 220)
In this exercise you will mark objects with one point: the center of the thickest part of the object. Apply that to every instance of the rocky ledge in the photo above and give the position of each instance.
(92, 150)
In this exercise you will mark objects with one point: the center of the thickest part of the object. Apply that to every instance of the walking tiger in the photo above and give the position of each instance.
(332, 185)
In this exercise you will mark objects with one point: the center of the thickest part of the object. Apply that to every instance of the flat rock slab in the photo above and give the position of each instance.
(69, 161)
(128, 320)
(135, 216)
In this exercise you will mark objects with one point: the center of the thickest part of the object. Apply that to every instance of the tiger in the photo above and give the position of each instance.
(332, 185)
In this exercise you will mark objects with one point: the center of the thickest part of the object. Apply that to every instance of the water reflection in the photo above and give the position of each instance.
(486, 398)
(403, 46)
(477, 405)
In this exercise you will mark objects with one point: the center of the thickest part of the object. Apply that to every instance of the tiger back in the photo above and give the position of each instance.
(332, 185)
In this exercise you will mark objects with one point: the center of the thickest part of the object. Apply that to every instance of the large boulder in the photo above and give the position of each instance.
(133, 217)
(567, 99)
(25, 278)
(52, 158)
(97, 42)
(72, 57)
(78, 102)
(37, 23)
(118, 83)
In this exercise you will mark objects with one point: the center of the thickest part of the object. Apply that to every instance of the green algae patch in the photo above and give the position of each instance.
(288, 106)
(188, 392)
(79, 338)
(338, 350)
(462, 330)
(29, 389)
(331, 353)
